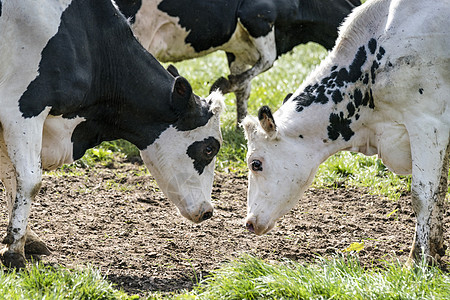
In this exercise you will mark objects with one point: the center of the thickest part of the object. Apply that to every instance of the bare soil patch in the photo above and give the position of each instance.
(116, 219)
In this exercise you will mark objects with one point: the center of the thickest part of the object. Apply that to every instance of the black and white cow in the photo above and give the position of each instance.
(253, 33)
(384, 89)
(73, 75)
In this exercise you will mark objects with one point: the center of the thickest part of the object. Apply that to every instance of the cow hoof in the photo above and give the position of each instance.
(222, 84)
(35, 247)
(8, 239)
(12, 260)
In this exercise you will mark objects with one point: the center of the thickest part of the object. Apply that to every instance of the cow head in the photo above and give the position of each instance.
(280, 170)
(183, 156)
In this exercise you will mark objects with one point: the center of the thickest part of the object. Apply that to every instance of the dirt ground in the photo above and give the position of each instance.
(116, 219)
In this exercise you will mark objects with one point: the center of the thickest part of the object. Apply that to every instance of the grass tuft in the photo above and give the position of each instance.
(358, 170)
(339, 278)
(46, 282)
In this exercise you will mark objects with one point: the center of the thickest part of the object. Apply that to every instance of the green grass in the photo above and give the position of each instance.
(338, 278)
(44, 282)
(341, 277)
(353, 169)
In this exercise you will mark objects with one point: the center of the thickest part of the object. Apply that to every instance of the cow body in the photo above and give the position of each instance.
(73, 75)
(252, 33)
(384, 89)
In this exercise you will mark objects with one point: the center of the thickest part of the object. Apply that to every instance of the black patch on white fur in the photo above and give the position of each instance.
(350, 109)
(337, 87)
(372, 45)
(203, 152)
(209, 23)
(337, 96)
(354, 70)
(212, 23)
(339, 126)
(381, 53)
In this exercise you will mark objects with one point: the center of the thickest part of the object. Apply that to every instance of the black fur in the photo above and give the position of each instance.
(339, 126)
(372, 45)
(94, 68)
(129, 8)
(287, 97)
(203, 152)
(212, 23)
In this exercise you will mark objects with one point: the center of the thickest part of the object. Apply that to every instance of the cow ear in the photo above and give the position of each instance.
(181, 94)
(172, 70)
(250, 125)
(267, 122)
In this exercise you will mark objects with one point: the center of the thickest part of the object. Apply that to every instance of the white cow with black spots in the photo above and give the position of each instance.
(384, 89)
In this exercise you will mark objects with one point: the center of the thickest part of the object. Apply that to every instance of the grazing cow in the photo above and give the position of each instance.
(253, 33)
(73, 75)
(384, 89)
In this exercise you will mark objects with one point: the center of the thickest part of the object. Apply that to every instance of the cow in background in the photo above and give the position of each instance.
(73, 75)
(253, 33)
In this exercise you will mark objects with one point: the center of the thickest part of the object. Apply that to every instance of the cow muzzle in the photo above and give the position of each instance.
(258, 228)
(203, 213)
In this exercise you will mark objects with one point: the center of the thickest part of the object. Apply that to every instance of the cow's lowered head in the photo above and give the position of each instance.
(279, 170)
(182, 158)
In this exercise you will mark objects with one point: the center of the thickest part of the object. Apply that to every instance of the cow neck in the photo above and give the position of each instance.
(137, 91)
(130, 92)
(333, 104)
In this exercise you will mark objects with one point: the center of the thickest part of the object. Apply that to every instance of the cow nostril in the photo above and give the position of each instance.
(249, 226)
(207, 215)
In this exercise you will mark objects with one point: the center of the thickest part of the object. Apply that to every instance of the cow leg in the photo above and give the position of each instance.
(241, 81)
(24, 173)
(240, 86)
(430, 158)
(8, 177)
(242, 96)
(33, 245)
(266, 48)
(222, 84)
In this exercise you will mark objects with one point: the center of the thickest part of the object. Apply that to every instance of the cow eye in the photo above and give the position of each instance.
(208, 150)
(256, 165)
